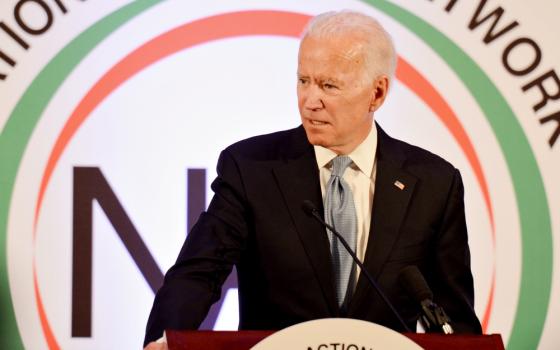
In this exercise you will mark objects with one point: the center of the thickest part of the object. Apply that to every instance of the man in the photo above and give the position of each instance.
(406, 206)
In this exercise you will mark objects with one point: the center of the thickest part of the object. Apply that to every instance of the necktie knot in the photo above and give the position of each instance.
(340, 163)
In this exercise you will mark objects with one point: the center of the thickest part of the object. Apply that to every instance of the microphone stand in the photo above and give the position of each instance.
(310, 209)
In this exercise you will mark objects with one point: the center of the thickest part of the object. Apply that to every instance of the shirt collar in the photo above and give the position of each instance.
(363, 155)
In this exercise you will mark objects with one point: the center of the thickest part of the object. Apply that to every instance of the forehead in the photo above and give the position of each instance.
(331, 55)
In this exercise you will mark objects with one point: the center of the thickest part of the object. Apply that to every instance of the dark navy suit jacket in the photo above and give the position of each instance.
(255, 221)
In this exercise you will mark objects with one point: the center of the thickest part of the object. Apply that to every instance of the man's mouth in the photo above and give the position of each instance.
(317, 122)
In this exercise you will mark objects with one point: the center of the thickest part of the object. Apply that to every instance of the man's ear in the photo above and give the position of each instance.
(380, 90)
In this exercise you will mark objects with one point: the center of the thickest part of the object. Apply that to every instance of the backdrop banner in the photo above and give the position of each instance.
(113, 113)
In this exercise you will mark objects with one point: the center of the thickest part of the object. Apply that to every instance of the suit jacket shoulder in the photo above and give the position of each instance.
(281, 145)
(413, 158)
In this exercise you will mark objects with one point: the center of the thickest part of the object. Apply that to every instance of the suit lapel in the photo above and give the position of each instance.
(393, 191)
(298, 180)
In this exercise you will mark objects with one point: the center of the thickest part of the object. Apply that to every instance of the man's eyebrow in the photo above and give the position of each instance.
(321, 79)
(331, 80)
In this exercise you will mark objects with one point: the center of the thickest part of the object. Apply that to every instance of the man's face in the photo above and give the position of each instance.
(335, 100)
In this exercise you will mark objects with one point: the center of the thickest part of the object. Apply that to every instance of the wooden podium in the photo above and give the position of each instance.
(244, 340)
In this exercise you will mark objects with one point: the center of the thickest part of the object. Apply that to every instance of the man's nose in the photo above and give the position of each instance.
(314, 98)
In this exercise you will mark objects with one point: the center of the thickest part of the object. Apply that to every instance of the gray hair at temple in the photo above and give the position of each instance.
(379, 51)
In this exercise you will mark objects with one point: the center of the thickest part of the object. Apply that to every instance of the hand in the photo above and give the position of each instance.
(156, 346)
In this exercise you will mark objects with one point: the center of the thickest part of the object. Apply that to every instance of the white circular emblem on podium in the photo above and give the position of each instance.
(337, 334)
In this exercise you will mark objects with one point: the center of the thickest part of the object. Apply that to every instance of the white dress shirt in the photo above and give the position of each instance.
(360, 176)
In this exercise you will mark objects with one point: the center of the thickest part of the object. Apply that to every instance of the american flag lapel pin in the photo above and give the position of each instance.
(399, 185)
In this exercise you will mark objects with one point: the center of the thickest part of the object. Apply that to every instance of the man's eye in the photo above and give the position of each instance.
(329, 86)
(302, 81)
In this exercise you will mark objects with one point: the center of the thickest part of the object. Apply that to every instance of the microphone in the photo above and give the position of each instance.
(311, 210)
(433, 318)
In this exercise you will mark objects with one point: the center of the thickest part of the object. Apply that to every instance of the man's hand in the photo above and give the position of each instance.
(156, 346)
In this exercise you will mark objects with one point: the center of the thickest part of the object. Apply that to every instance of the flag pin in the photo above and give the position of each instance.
(399, 185)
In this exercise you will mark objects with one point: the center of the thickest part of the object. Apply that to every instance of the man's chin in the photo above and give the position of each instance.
(317, 141)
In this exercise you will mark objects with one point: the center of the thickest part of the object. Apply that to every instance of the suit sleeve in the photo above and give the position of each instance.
(211, 249)
(453, 288)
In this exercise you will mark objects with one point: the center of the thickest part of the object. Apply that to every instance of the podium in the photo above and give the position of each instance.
(244, 340)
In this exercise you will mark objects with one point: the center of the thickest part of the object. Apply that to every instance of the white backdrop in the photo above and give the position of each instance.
(75, 92)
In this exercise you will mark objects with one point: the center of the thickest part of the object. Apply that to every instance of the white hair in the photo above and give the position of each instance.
(378, 50)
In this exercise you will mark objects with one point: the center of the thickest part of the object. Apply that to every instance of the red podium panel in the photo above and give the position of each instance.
(244, 340)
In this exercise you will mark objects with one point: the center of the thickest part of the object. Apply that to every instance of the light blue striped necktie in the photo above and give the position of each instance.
(341, 214)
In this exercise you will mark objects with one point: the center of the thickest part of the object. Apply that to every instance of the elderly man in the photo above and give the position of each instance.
(397, 205)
